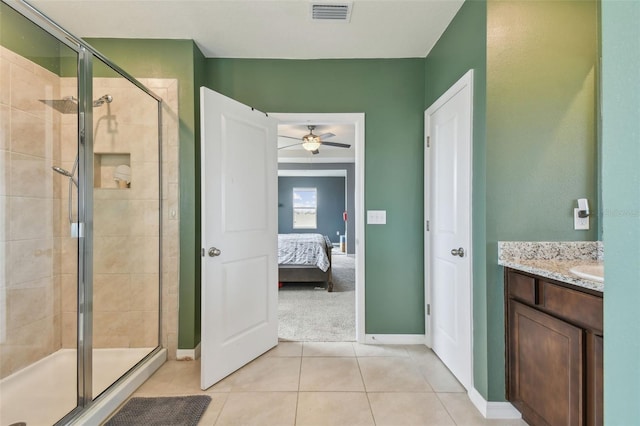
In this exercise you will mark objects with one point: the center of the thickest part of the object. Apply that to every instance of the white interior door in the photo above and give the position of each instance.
(239, 235)
(448, 236)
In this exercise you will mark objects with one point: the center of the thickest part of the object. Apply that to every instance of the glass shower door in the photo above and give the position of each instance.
(126, 225)
(38, 202)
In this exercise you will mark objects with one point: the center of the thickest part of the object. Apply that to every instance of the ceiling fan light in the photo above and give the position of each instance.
(311, 142)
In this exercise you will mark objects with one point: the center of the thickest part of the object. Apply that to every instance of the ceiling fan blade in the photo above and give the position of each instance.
(289, 146)
(289, 137)
(326, 135)
(340, 145)
(315, 152)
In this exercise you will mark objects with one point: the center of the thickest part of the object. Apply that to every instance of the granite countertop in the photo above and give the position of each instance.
(553, 259)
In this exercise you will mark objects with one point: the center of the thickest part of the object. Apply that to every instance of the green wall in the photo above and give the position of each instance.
(463, 47)
(391, 94)
(535, 91)
(541, 140)
(177, 59)
(23, 37)
(621, 208)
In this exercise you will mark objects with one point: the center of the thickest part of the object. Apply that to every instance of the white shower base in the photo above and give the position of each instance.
(45, 391)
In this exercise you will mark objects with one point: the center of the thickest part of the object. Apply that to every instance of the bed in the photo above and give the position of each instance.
(304, 258)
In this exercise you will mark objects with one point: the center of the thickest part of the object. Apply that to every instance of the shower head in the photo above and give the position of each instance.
(101, 100)
(62, 171)
(69, 104)
(66, 105)
(66, 173)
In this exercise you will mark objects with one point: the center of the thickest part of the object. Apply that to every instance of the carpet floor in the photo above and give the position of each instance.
(308, 313)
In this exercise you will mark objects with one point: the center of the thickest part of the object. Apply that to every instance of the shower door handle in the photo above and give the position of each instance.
(214, 252)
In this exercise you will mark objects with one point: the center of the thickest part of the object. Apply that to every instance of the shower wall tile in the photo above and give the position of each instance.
(111, 254)
(30, 260)
(111, 329)
(4, 215)
(69, 330)
(5, 79)
(30, 176)
(144, 180)
(144, 254)
(29, 302)
(5, 126)
(5, 172)
(144, 294)
(28, 88)
(68, 293)
(145, 325)
(28, 133)
(68, 253)
(145, 218)
(111, 292)
(112, 217)
(31, 218)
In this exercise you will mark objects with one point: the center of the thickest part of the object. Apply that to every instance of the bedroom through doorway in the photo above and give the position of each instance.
(321, 264)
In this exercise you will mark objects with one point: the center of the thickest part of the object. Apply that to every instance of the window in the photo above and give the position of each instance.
(305, 208)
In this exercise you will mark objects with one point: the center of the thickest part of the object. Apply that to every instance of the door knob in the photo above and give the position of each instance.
(213, 252)
(458, 252)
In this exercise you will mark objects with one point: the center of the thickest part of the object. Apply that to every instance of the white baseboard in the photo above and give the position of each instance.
(493, 410)
(188, 354)
(394, 339)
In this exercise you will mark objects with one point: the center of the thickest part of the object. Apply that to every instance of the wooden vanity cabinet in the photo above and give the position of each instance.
(554, 351)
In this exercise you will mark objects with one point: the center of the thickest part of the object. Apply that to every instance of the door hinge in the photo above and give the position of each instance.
(428, 309)
(428, 141)
(427, 225)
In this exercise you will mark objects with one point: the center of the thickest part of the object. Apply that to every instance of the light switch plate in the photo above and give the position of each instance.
(376, 217)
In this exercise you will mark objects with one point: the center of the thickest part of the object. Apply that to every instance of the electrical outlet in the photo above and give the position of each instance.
(580, 223)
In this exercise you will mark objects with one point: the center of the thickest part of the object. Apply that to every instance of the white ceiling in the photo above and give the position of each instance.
(264, 28)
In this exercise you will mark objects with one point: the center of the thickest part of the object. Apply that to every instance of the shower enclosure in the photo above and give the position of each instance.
(80, 223)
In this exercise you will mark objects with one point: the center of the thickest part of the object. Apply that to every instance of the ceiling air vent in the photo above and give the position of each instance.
(331, 11)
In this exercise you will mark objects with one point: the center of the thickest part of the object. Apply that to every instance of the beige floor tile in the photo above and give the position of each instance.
(380, 350)
(213, 409)
(328, 349)
(440, 378)
(286, 349)
(178, 378)
(268, 374)
(465, 413)
(330, 374)
(333, 408)
(392, 374)
(403, 408)
(259, 408)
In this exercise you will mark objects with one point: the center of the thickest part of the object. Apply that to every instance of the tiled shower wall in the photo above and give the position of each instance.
(38, 256)
(29, 214)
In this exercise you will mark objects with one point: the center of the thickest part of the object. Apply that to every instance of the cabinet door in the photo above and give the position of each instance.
(546, 367)
(595, 378)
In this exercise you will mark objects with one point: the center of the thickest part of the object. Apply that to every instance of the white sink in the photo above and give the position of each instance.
(589, 272)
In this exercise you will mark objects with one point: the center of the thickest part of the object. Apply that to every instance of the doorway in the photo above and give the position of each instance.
(336, 162)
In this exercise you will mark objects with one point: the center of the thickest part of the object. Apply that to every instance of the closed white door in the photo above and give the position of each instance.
(239, 235)
(448, 234)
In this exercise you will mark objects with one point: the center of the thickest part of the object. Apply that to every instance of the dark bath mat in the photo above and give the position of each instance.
(162, 411)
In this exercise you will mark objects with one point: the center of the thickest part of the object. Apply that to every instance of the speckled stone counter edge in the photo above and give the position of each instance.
(552, 259)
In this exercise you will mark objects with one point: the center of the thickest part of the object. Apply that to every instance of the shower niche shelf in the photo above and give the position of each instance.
(107, 166)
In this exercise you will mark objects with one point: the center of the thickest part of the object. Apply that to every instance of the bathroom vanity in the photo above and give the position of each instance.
(554, 339)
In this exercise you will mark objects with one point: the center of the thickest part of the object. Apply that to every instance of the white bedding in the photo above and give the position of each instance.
(303, 249)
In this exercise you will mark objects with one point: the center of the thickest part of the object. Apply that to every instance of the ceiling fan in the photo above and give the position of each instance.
(312, 142)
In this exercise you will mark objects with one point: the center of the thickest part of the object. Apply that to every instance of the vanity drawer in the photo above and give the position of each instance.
(521, 287)
(572, 305)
